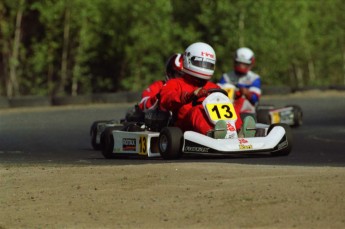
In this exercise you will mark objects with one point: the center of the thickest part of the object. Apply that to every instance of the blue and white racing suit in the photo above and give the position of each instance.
(251, 81)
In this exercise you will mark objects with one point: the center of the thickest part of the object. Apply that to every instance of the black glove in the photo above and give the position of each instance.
(188, 97)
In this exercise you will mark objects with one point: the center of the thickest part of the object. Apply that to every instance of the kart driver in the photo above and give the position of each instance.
(177, 94)
(149, 97)
(248, 82)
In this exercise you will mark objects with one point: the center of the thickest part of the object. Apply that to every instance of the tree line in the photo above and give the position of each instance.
(71, 47)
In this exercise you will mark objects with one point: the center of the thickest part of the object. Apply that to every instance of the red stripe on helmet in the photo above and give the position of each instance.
(198, 72)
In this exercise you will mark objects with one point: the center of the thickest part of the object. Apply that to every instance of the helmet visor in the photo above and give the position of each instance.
(242, 68)
(202, 63)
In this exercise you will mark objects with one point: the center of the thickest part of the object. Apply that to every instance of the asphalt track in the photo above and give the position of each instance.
(60, 135)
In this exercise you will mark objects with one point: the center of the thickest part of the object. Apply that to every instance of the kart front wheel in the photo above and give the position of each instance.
(107, 141)
(170, 143)
(285, 143)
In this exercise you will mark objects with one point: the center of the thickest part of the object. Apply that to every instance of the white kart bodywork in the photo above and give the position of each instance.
(266, 143)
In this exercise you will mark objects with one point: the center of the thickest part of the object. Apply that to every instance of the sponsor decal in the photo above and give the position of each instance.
(245, 147)
(197, 149)
(230, 127)
(128, 144)
(231, 131)
(207, 54)
(242, 141)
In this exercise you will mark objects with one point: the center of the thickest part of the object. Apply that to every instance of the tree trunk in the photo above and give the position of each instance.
(5, 58)
(312, 75)
(299, 76)
(344, 67)
(77, 68)
(50, 83)
(64, 56)
(74, 91)
(12, 84)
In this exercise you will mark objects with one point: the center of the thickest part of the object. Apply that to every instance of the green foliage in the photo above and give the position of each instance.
(85, 46)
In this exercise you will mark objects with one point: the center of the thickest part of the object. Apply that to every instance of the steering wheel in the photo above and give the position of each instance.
(212, 90)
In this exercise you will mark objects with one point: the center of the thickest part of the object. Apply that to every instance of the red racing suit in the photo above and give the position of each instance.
(187, 116)
(149, 99)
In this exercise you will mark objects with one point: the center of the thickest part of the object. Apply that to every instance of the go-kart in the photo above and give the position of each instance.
(158, 137)
(291, 115)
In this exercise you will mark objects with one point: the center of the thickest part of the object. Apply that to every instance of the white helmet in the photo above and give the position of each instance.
(199, 60)
(244, 55)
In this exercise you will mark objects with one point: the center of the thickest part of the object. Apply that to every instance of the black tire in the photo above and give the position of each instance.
(93, 134)
(288, 138)
(262, 116)
(297, 116)
(170, 143)
(107, 141)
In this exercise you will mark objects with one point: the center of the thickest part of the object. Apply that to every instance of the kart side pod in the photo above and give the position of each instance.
(117, 142)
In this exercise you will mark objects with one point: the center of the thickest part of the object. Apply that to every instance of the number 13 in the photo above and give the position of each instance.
(226, 111)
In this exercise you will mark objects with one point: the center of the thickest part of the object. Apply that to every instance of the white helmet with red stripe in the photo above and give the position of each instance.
(244, 60)
(199, 60)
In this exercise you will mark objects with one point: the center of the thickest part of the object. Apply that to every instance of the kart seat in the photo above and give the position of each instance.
(155, 120)
(135, 115)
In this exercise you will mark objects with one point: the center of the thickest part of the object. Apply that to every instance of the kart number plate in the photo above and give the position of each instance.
(221, 111)
(143, 145)
(275, 117)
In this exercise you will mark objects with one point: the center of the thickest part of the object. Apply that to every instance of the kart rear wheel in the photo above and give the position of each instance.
(170, 143)
(107, 141)
(93, 133)
(287, 138)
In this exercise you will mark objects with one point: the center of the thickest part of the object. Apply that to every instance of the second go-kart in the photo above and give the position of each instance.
(291, 115)
(157, 137)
